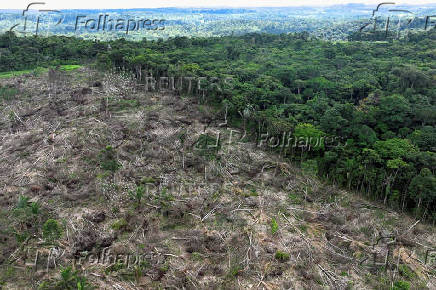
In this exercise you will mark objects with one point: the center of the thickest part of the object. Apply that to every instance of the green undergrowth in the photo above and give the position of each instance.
(36, 71)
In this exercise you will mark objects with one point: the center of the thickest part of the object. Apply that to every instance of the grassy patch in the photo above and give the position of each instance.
(36, 71)
(252, 192)
(114, 267)
(108, 159)
(6, 273)
(197, 256)
(148, 180)
(8, 94)
(123, 104)
(120, 224)
(380, 214)
(9, 74)
(401, 285)
(295, 199)
(234, 271)
(51, 230)
(207, 146)
(303, 228)
(70, 67)
(406, 272)
(274, 226)
(282, 256)
(69, 279)
(137, 195)
(366, 230)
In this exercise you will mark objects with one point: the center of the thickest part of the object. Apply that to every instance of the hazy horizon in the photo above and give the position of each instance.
(135, 4)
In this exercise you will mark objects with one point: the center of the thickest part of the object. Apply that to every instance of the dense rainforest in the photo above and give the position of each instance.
(376, 98)
(328, 22)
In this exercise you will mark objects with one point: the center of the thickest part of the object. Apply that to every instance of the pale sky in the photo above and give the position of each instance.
(107, 4)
